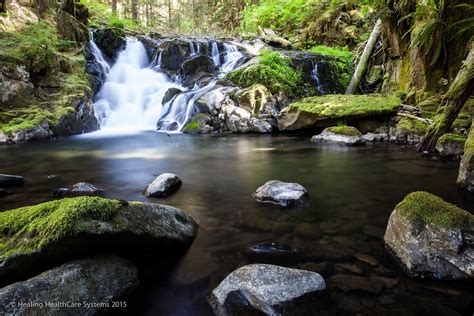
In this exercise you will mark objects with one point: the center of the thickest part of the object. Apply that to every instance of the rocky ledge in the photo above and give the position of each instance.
(431, 238)
(35, 238)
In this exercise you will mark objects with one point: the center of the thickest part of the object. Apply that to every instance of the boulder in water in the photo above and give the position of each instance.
(85, 188)
(346, 135)
(170, 94)
(82, 120)
(197, 64)
(8, 180)
(96, 281)
(200, 124)
(257, 289)
(163, 185)
(431, 238)
(284, 194)
(71, 228)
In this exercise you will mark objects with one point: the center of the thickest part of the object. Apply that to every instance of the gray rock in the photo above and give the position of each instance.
(450, 146)
(170, 94)
(375, 137)
(3, 139)
(30, 134)
(466, 168)
(328, 136)
(82, 120)
(85, 188)
(430, 248)
(163, 185)
(8, 180)
(268, 289)
(136, 229)
(98, 280)
(281, 193)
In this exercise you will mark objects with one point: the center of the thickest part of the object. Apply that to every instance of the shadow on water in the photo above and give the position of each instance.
(352, 193)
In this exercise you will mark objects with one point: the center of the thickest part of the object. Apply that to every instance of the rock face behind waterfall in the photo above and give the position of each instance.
(431, 238)
(72, 228)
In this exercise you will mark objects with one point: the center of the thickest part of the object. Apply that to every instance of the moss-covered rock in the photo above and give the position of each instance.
(430, 237)
(450, 144)
(410, 130)
(253, 98)
(466, 168)
(198, 125)
(34, 237)
(321, 111)
(342, 134)
(272, 70)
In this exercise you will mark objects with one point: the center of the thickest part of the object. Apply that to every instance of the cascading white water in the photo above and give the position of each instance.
(315, 76)
(99, 57)
(132, 94)
(216, 57)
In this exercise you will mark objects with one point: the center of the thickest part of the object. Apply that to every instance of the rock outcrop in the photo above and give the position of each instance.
(86, 286)
(466, 168)
(431, 238)
(267, 289)
(284, 194)
(54, 232)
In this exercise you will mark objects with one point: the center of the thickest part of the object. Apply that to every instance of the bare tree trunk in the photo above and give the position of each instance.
(460, 90)
(170, 12)
(364, 59)
(135, 10)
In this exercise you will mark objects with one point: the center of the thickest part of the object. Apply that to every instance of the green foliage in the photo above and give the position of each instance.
(338, 106)
(101, 13)
(423, 208)
(451, 138)
(342, 60)
(29, 229)
(345, 130)
(273, 71)
(465, 26)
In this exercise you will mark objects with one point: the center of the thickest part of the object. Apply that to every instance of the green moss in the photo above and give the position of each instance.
(273, 71)
(422, 208)
(29, 229)
(344, 106)
(412, 126)
(345, 130)
(451, 138)
(192, 127)
(463, 120)
(469, 145)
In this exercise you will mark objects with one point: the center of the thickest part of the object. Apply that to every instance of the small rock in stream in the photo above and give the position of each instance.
(284, 194)
(163, 185)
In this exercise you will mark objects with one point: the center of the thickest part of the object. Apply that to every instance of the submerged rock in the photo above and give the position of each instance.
(272, 252)
(281, 193)
(163, 185)
(346, 135)
(40, 132)
(3, 193)
(431, 238)
(450, 145)
(268, 289)
(65, 229)
(8, 180)
(96, 281)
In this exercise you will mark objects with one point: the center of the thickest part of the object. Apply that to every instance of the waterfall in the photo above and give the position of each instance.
(132, 94)
(315, 76)
(99, 57)
(216, 57)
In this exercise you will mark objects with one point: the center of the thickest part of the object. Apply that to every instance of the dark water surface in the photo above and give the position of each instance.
(352, 193)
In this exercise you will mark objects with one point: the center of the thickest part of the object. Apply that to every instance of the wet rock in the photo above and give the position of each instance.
(347, 282)
(95, 225)
(466, 168)
(284, 194)
(197, 64)
(85, 188)
(170, 94)
(345, 135)
(40, 132)
(239, 120)
(109, 42)
(375, 137)
(199, 125)
(450, 145)
(61, 192)
(82, 120)
(8, 180)
(272, 252)
(268, 289)
(431, 238)
(97, 280)
(3, 193)
(163, 185)
(257, 100)
(212, 101)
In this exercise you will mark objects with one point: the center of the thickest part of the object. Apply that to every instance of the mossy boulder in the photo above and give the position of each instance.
(198, 125)
(410, 130)
(342, 134)
(466, 168)
(325, 110)
(450, 144)
(33, 238)
(430, 237)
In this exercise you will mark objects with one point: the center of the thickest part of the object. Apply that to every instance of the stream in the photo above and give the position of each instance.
(352, 193)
